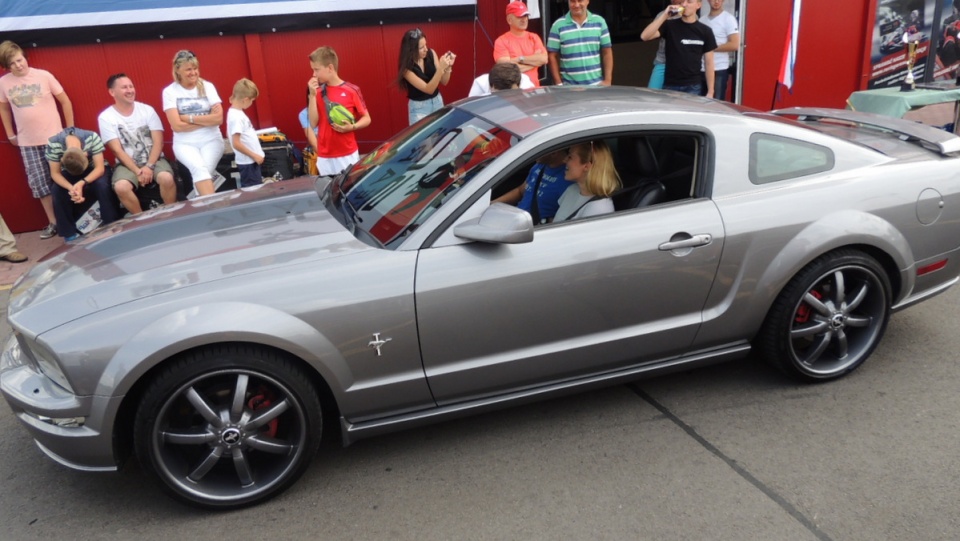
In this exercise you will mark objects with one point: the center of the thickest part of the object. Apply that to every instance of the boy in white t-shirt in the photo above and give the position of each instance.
(243, 138)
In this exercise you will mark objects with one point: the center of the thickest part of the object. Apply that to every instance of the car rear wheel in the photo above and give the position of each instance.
(228, 427)
(829, 318)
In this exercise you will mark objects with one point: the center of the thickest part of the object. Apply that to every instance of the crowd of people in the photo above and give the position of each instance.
(65, 166)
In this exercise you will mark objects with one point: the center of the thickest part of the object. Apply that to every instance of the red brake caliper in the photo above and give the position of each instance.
(804, 311)
(259, 402)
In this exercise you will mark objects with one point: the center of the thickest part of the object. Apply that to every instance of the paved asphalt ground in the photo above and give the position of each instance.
(731, 452)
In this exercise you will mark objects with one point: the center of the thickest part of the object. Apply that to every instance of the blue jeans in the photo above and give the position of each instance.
(720, 78)
(689, 89)
(419, 109)
(64, 208)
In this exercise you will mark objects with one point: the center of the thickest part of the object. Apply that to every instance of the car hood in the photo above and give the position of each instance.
(178, 246)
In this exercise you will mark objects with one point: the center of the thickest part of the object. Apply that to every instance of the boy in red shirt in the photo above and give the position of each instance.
(338, 111)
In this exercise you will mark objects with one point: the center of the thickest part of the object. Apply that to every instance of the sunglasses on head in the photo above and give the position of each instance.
(416, 33)
(589, 158)
(185, 55)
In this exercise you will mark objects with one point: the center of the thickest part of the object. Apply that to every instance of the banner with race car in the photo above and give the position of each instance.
(934, 25)
(948, 42)
(897, 22)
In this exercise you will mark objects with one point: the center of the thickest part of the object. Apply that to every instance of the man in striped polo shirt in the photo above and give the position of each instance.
(579, 48)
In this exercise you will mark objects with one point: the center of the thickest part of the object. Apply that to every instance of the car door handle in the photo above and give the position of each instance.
(692, 242)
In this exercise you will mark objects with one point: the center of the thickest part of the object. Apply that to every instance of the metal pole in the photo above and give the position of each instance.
(742, 16)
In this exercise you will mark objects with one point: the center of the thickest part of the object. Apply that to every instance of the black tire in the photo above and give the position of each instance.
(206, 447)
(829, 318)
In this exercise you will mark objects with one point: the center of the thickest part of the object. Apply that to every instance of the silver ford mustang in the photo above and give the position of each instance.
(215, 339)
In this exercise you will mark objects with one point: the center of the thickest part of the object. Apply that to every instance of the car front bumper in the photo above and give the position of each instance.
(68, 428)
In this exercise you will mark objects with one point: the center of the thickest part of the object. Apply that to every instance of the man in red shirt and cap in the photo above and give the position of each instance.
(517, 46)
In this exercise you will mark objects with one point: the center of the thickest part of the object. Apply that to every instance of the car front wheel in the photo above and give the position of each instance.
(829, 318)
(228, 427)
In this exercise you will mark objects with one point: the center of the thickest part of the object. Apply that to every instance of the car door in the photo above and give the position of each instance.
(583, 297)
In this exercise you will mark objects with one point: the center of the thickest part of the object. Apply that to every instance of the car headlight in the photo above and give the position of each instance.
(12, 356)
(19, 352)
(50, 367)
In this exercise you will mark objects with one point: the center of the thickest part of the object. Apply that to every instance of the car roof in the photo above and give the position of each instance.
(523, 112)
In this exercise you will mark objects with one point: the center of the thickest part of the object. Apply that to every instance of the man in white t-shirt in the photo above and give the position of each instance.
(133, 132)
(501, 77)
(727, 33)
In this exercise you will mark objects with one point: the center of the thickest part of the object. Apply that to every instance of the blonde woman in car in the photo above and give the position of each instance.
(590, 168)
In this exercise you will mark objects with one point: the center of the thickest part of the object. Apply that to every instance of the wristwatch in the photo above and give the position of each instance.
(521, 60)
(151, 166)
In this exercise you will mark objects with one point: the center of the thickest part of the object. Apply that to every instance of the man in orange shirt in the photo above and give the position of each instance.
(517, 46)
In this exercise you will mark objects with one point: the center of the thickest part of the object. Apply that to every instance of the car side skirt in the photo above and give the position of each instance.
(352, 432)
(924, 295)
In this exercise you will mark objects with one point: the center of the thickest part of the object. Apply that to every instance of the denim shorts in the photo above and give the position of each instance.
(420, 109)
(250, 174)
(689, 89)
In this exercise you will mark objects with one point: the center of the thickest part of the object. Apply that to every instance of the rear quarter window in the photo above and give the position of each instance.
(774, 158)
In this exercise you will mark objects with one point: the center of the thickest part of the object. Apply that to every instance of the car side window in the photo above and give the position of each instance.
(656, 168)
(774, 158)
(653, 168)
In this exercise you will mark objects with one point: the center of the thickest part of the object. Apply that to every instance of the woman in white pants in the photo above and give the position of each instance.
(194, 110)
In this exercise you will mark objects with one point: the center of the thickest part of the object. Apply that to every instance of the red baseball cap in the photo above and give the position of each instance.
(518, 9)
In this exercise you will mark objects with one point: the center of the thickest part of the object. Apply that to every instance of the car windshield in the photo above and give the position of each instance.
(395, 188)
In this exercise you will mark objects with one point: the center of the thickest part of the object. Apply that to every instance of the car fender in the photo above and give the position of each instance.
(819, 237)
(220, 322)
(737, 310)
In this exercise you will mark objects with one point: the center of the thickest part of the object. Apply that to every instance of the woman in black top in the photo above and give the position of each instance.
(421, 72)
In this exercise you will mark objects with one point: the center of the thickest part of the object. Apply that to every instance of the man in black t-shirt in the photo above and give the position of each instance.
(688, 45)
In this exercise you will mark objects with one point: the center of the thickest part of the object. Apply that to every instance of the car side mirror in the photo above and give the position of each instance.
(500, 224)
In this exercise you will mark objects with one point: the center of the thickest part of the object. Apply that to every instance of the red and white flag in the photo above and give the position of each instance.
(790, 48)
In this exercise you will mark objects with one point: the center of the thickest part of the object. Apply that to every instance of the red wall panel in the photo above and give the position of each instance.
(830, 52)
